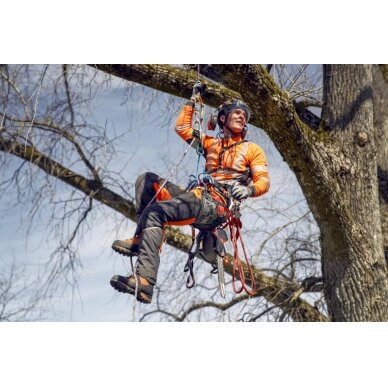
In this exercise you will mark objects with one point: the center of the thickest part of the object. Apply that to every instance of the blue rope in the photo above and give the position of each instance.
(200, 153)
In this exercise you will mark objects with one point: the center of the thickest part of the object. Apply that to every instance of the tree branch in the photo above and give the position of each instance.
(304, 149)
(55, 169)
(219, 306)
(51, 127)
(173, 80)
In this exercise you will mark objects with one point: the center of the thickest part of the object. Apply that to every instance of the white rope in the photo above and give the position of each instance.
(136, 291)
(170, 174)
(198, 119)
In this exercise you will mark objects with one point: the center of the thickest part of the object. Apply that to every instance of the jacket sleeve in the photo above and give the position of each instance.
(183, 126)
(259, 170)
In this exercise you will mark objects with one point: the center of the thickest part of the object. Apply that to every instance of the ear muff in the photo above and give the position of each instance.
(244, 132)
(212, 122)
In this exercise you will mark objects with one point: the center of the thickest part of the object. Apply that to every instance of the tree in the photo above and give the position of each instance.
(333, 157)
(335, 163)
(20, 300)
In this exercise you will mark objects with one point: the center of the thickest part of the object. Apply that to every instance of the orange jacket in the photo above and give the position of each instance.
(244, 162)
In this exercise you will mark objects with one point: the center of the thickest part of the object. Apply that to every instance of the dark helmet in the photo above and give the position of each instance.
(229, 106)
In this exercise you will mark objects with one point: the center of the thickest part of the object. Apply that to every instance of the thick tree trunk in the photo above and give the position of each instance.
(354, 269)
(380, 118)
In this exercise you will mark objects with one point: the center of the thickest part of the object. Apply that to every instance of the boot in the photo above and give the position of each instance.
(128, 247)
(128, 285)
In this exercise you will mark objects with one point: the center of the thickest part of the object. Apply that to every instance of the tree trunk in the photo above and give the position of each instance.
(380, 118)
(354, 269)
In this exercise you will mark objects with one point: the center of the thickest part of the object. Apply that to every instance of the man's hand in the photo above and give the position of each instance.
(199, 88)
(240, 192)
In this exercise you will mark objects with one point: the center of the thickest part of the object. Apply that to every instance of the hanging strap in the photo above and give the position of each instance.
(189, 266)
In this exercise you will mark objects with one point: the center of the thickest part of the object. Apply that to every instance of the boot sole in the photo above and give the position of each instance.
(126, 289)
(124, 251)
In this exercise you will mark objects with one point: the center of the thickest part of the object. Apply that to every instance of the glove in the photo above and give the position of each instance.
(199, 88)
(240, 192)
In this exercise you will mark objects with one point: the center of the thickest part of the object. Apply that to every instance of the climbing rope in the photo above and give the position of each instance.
(136, 290)
(197, 126)
(198, 120)
(235, 225)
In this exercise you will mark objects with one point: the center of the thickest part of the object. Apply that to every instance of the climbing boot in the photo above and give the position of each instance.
(128, 285)
(128, 247)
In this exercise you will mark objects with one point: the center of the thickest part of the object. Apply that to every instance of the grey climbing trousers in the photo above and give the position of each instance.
(175, 206)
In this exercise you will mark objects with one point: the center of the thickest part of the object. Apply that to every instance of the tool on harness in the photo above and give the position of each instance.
(214, 250)
(210, 242)
(211, 246)
(217, 204)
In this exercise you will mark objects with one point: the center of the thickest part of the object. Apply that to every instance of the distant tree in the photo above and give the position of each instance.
(20, 299)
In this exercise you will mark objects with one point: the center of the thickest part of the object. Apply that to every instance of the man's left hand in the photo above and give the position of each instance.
(199, 88)
(241, 192)
(196, 133)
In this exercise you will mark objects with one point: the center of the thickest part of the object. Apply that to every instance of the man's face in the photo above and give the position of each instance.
(237, 120)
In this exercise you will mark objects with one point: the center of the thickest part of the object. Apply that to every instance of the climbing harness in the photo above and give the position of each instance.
(234, 224)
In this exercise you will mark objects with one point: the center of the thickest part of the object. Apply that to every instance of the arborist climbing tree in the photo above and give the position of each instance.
(235, 169)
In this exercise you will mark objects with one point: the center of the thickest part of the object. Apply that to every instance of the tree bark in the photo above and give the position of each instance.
(354, 269)
(380, 119)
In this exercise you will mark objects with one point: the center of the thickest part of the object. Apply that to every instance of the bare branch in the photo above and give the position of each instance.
(89, 187)
(219, 306)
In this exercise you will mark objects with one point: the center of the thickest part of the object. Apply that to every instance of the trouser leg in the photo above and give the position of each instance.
(181, 210)
(147, 185)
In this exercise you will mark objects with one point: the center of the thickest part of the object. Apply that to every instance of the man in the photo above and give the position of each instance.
(236, 167)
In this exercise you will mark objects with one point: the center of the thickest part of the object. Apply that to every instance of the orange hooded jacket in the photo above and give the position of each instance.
(245, 162)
